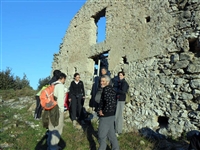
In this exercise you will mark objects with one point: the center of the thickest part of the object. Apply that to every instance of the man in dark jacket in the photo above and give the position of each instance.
(96, 89)
(107, 108)
(121, 97)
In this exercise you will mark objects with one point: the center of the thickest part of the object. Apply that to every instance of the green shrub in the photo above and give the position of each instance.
(8, 81)
(15, 94)
(43, 82)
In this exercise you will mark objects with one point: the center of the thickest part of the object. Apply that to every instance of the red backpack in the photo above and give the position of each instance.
(47, 99)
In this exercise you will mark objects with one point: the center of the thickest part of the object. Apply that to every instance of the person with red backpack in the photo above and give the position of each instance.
(38, 108)
(56, 122)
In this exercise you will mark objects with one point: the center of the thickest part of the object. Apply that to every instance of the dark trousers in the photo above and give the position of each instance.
(38, 108)
(76, 108)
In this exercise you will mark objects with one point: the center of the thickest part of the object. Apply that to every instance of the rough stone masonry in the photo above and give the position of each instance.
(156, 43)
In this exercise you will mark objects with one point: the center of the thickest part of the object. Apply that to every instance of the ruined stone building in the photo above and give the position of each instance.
(156, 43)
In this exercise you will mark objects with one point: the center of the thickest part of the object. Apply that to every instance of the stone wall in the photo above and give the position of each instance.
(156, 43)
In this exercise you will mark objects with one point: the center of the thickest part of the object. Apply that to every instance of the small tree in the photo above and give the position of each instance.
(18, 83)
(25, 82)
(43, 82)
(8, 81)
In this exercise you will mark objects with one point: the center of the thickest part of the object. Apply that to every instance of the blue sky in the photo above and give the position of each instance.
(31, 32)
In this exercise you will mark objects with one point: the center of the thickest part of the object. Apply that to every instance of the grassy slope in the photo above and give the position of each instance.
(21, 132)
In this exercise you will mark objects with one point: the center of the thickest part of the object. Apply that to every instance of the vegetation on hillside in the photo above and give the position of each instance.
(13, 86)
(43, 81)
(9, 81)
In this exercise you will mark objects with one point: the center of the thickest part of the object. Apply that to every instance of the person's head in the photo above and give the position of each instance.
(76, 76)
(103, 71)
(56, 72)
(121, 75)
(62, 77)
(56, 76)
(105, 80)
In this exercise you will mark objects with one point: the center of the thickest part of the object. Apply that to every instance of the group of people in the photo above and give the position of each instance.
(109, 108)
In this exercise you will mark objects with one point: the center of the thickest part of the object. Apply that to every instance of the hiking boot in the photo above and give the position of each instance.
(74, 123)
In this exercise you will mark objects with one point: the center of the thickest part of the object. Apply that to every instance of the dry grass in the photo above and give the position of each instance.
(14, 94)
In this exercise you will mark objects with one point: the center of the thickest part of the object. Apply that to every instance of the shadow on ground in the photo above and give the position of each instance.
(162, 142)
(91, 133)
(42, 144)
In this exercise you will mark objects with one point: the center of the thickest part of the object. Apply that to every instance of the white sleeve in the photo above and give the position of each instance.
(60, 94)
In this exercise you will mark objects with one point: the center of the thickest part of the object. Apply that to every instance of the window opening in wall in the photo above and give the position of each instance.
(194, 45)
(100, 60)
(100, 21)
(148, 19)
(163, 121)
(101, 32)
